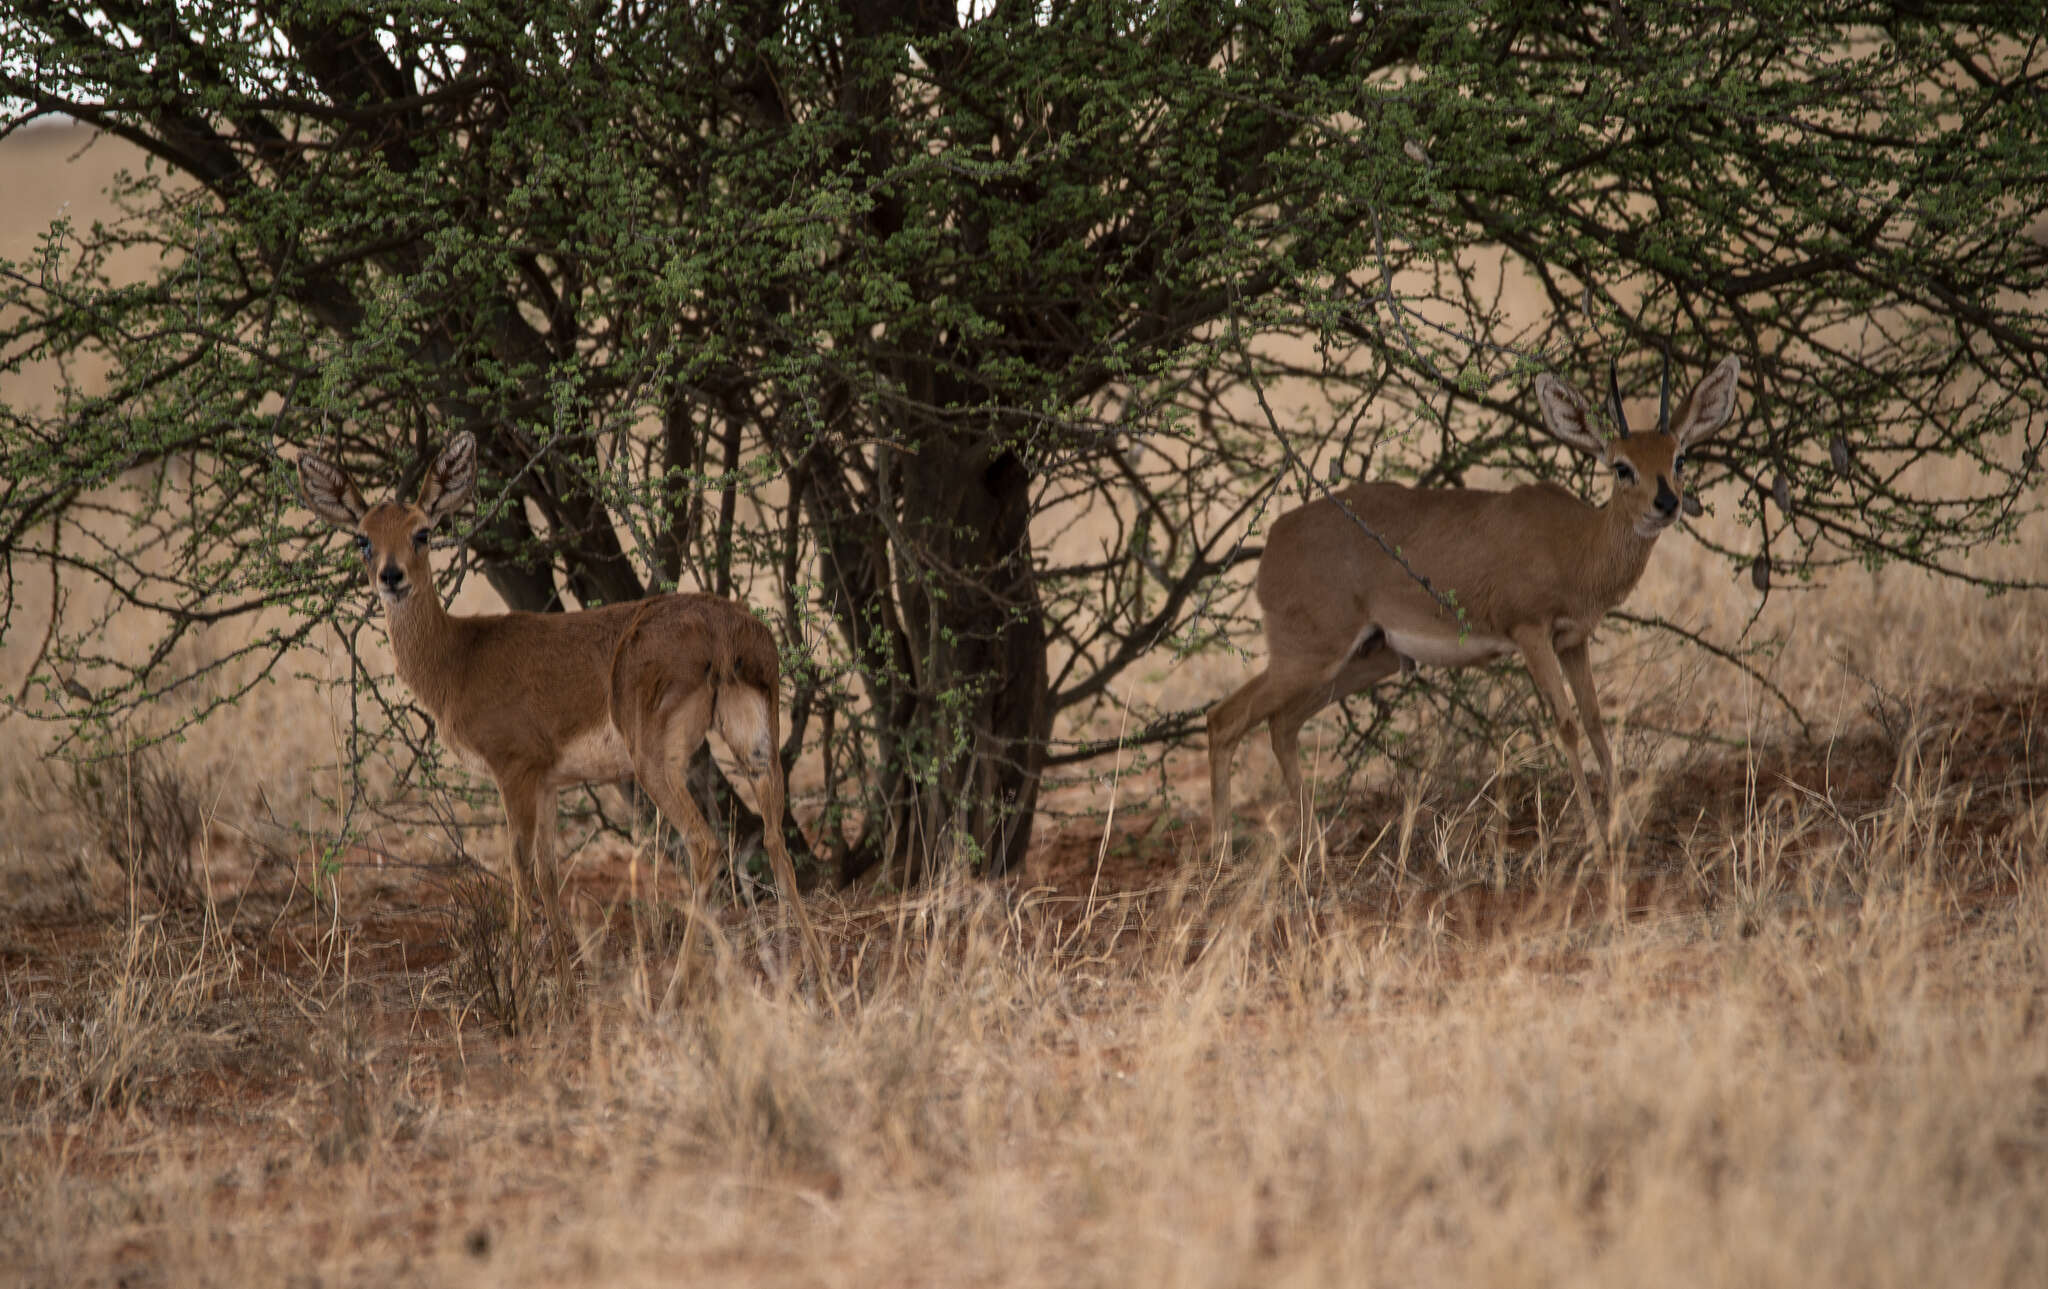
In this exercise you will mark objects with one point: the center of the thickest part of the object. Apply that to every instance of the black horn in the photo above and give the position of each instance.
(1614, 397)
(1664, 397)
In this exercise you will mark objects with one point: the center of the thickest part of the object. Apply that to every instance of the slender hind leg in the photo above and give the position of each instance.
(748, 723)
(1229, 721)
(1284, 682)
(661, 761)
(769, 793)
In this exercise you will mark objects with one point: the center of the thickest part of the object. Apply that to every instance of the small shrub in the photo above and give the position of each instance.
(140, 1021)
(500, 970)
(149, 822)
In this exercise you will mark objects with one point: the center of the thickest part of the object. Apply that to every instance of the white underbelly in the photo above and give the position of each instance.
(1467, 650)
(598, 755)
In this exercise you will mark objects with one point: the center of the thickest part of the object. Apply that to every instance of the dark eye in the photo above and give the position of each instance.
(1678, 464)
(1625, 471)
(419, 540)
(363, 545)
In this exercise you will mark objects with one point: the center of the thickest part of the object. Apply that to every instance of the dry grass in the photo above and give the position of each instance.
(1810, 1049)
(1806, 1045)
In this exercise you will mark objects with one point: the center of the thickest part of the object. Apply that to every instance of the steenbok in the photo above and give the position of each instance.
(541, 701)
(1531, 570)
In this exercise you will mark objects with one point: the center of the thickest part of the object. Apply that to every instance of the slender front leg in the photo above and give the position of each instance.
(529, 810)
(1578, 669)
(1534, 642)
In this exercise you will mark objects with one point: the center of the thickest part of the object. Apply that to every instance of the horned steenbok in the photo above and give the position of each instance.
(1532, 570)
(540, 701)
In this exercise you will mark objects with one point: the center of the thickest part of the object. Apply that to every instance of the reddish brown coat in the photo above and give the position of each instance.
(1357, 584)
(541, 701)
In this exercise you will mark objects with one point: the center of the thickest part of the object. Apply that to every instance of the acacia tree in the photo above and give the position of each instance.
(849, 307)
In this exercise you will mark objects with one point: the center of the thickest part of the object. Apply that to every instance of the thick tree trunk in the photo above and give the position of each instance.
(525, 581)
(977, 629)
(932, 583)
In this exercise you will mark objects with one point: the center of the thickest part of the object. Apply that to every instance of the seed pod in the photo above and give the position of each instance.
(1838, 454)
(1691, 505)
(1760, 574)
(1781, 492)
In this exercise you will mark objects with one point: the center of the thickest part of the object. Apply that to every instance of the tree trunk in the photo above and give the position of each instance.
(522, 578)
(977, 630)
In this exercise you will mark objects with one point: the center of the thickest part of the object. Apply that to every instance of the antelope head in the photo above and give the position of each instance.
(392, 535)
(1649, 465)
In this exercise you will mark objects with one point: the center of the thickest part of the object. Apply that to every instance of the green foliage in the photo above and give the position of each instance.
(852, 308)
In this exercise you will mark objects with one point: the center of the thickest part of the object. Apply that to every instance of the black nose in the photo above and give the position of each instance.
(392, 576)
(1667, 500)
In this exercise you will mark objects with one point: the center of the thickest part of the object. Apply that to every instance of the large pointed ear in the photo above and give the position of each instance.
(1569, 416)
(1711, 403)
(326, 488)
(449, 482)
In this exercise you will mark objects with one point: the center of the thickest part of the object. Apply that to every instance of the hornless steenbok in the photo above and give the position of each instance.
(1532, 569)
(541, 701)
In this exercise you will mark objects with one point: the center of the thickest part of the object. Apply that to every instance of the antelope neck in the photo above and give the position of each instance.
(1617, 561)
(419, 628)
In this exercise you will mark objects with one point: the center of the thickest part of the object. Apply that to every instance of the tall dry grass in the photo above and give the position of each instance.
(1249, 1077)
